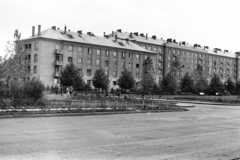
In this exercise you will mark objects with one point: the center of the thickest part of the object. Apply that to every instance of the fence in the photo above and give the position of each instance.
(108, 103)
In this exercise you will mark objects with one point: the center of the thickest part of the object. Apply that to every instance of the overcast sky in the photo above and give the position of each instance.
(207, 22)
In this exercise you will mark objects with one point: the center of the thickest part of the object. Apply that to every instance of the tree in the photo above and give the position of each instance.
(70, 76)
(199, 79)
(230, 86)
(215, 85)
(187, 83)
(148, 76)
(126, 80)
(100, 79)
(14, 64)
(237, 91)
(176, 70)
(169, 83)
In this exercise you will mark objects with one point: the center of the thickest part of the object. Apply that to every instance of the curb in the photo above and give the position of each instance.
(84, 114)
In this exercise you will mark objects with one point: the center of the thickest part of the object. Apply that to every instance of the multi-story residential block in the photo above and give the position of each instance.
(221, 62)
(51, 49)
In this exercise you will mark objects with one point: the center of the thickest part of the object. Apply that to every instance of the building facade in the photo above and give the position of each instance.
(52, 49)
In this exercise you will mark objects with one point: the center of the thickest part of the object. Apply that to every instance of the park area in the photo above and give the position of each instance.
(204, 132)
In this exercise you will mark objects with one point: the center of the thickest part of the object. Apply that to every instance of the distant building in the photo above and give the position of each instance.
(51, 49)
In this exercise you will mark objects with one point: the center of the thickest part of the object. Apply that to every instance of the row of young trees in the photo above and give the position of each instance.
(195, 82)
(70, 76)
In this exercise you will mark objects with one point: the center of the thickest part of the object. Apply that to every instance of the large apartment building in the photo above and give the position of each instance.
(51, 49)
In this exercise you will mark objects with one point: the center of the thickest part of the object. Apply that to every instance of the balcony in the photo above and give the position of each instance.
(58, 51)
(56, 74)
(58, 63)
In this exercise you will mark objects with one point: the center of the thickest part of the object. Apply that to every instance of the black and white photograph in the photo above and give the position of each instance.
(119, 80)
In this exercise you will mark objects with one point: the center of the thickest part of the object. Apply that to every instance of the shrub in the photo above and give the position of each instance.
(33, 89)
(41, 102)
(48, 88)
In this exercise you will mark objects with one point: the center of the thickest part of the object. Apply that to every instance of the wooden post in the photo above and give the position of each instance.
(126, 104)
(152, 101)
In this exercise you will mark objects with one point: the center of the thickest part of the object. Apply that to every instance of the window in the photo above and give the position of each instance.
(35, 58)
(123, 54)
(36, 46)
(70, 59)
(106, 63)
(114, 74)
(143, 46)
(130, 65)
(114, 83)
(107, 53)
(137, 56)
(169, 58)
(35, 69)
(89, 51)
(106, 72)
(97, 62)
(123, 64)
(130, 55)
(57, 46)
(160, 50)
(154, 49)
(70, 48)
(137, 65)
(79, 60)
(115, 64)
(89, 72)
(114, 54)
(137, 75)
(149, 48)
(160, 64)
(89, 62)
(98, 52)
(160, 57)
(80, 49)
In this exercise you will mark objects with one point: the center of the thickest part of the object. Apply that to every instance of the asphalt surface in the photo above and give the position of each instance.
(204, 132)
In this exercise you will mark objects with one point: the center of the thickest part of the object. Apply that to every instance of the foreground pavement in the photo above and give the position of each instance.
(205, 132)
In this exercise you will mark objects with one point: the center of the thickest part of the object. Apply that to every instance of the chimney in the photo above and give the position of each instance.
(39, 30)
(119, 30)
(65, 29)
(115, 37)
(112, 33)
(89, 33)
(136, 33)
(131, 36)
(103, 34)
(33, 31)
(142, 34)
(54, 27)
(146, 36)
(79, 31)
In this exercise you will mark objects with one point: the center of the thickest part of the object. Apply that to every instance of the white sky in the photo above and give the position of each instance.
(207, 22)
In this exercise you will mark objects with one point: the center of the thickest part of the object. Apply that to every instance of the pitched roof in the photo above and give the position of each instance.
(89, 39)
(156, 41)
(139, 38)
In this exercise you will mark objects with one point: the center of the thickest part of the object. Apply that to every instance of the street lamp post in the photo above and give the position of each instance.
(226, 86)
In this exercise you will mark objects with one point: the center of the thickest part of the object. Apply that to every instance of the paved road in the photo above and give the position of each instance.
(205, 132)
